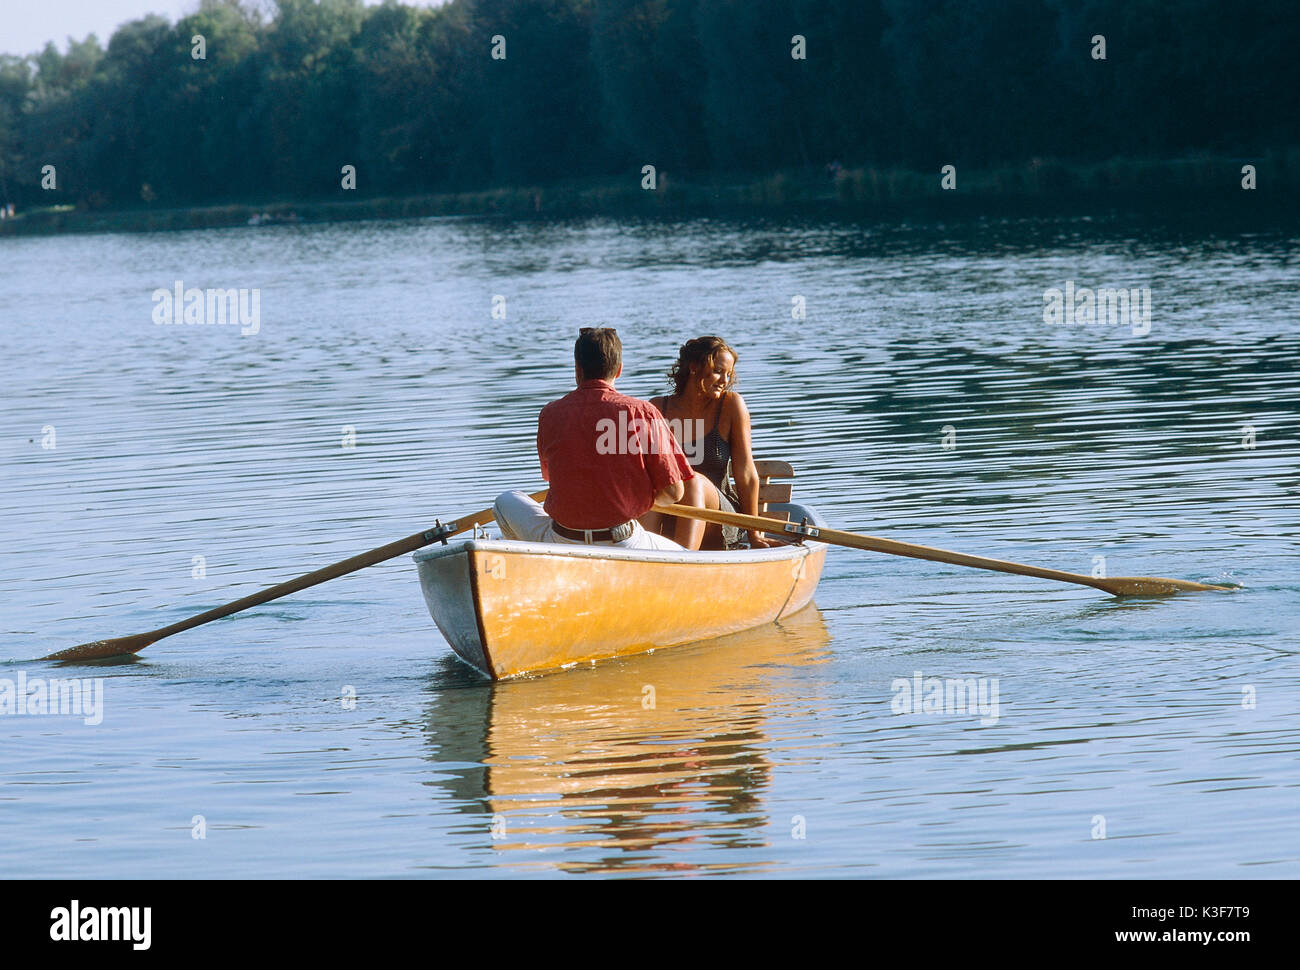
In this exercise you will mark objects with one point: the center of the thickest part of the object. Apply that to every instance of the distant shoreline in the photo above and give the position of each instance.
(1040, 186)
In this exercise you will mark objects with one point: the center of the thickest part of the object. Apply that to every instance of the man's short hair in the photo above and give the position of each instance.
(598, 353)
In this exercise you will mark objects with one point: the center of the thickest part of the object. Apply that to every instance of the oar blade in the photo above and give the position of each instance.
(1154, 586)
(102, 649)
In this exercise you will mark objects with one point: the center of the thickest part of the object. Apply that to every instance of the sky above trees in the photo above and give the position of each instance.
(29, 26)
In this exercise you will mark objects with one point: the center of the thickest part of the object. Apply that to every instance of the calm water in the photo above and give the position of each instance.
(922, 398)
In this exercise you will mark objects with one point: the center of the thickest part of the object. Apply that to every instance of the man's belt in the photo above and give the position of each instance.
(616, 534)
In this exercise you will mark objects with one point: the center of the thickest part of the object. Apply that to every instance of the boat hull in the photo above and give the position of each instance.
(510, 608)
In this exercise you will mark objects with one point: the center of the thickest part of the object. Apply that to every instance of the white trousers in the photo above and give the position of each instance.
(520, 517)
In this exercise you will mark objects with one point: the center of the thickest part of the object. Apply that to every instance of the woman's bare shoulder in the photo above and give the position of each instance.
(735, 406)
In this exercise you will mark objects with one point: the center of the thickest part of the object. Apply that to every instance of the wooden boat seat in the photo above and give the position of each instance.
(770, 491)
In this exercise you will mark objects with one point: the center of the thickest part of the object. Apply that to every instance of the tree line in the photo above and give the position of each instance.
(481, 93)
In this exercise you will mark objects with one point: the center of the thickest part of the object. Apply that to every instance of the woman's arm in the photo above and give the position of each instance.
(742, 462)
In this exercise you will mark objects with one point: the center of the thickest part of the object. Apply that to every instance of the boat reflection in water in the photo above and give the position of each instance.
(612, 768)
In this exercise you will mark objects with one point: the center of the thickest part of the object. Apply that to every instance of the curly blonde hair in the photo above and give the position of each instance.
(701, 350)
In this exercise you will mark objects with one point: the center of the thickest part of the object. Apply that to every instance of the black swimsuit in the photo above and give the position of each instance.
(715, 465)
(716, 460)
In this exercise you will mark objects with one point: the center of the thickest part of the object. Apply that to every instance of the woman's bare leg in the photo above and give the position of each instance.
(691, 533)
(653, 521)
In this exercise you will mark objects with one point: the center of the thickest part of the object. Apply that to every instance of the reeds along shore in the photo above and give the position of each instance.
(1041, 185)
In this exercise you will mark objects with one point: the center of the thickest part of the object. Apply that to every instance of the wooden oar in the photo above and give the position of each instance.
(121, 646)
(1115, 585)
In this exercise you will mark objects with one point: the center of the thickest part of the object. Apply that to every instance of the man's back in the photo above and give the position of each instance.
(605, 456)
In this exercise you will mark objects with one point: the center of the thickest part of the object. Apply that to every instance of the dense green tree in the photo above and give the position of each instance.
(541, 102)
(59, 123)
(290, 91)
(651, 70)
(853, 104)
(755, 92)
(452, 146)
(975, 80)
(15, 85)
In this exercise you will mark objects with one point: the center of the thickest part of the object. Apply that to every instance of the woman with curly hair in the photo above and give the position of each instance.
(702, 378)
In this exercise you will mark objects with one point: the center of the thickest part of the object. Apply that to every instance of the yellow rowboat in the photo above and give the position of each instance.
(509, 608)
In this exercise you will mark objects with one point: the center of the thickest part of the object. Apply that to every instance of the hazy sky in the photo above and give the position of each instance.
(25, 25)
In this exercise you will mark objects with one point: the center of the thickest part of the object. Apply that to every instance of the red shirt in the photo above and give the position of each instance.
(606, 456)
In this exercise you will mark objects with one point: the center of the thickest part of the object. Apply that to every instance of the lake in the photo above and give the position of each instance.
(922, 378)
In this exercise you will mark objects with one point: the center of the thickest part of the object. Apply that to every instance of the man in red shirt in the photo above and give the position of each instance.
(609, 459)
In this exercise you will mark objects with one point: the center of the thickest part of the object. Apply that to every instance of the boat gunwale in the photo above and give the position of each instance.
(578, 550)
